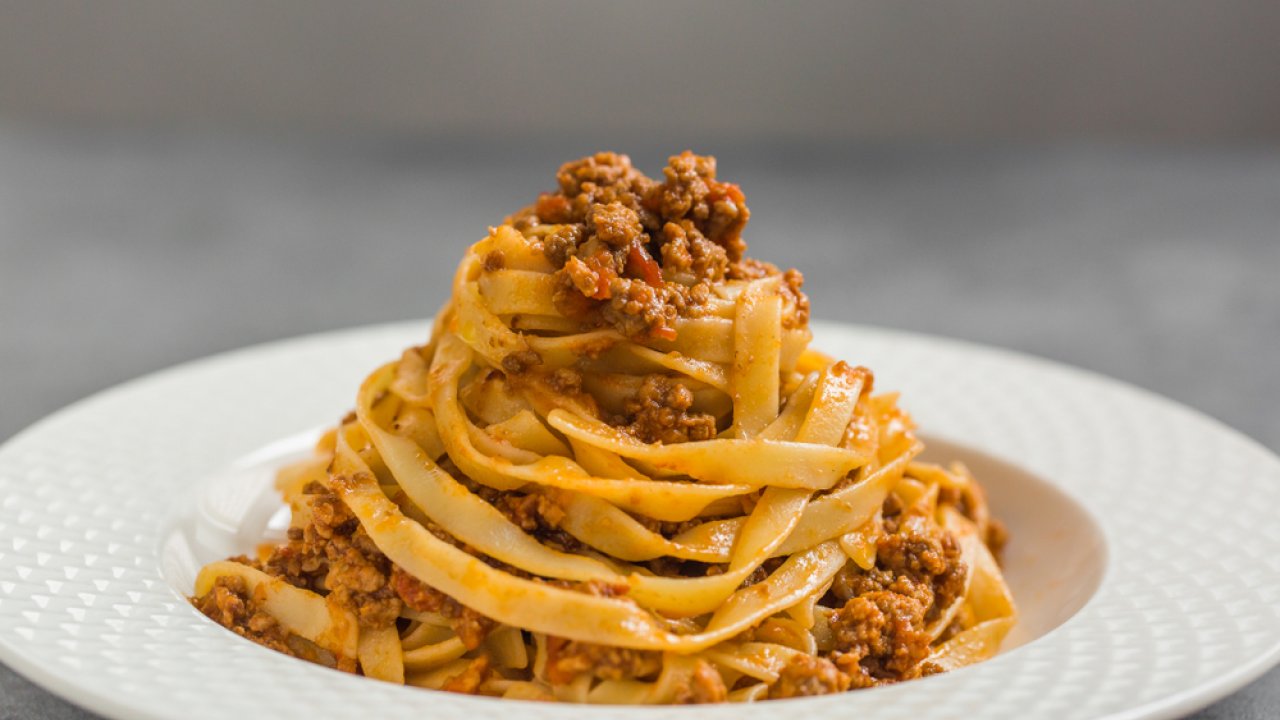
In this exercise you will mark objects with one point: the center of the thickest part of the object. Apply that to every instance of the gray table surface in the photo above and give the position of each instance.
(125, 252)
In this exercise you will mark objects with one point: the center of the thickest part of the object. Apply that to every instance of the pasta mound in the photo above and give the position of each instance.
(617, 473)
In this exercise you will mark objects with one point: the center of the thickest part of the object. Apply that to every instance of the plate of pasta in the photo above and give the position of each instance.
(621, 467)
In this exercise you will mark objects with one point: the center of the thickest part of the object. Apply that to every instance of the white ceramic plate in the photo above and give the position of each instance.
(1145, 555)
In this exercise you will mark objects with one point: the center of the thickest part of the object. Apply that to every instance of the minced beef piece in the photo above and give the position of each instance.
(535, 513)
(471, 678)
(614, 224)
(567, 659)
(358, 581)
(751, 269)
(566, 381)
(597, 179)
(808, 675)
(333, 554)
(927, 554)
(792, 282)
(853, 581)
(637, 309)
(918, 547)
(530, 511)
(688, 255)
(520, 361)
(358, 571)
(471, 627)
(692, 192)
(704, 686)
(591, 278)
(301, 561)
(562, 243)
(593, 287)
(659, 413)
(634, 254)
(880, 636)
(230, 604)
(968, 501)
(915, 558)
(494, 260)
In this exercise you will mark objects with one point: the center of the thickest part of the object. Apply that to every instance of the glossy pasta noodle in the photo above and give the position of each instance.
(616, 473)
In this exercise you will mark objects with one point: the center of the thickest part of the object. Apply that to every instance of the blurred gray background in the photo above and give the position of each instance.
(888, 69)
(1095, 182)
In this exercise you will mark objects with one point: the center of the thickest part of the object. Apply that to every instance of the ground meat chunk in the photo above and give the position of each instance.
(333, 554)
(751, 269)
(853, 581)
(916, 548)
(494, 260)
(566, 381)
(691, 191)
(659, 412)
(603, 169)
(611, 279)
(358, 571)
(614, 224)
(569, 297)
(471, 678)
(704, 686)
(593, 277)
(917, 559)
(357, 580)
(792, 282)
(687, 254)
(230, 605)
(562, 243)
(808, 675)
(634, 254)
(537, 514)
(520, 361)
(602, 178)
(567, 659)
(637, 309)
(927, 554)
(300, 561)
(881, 636)
(685, 192)
(533, 511)
(471, 627)
(524, 219)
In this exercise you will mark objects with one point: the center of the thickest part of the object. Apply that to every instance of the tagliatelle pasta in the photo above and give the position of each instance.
(616, 474)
